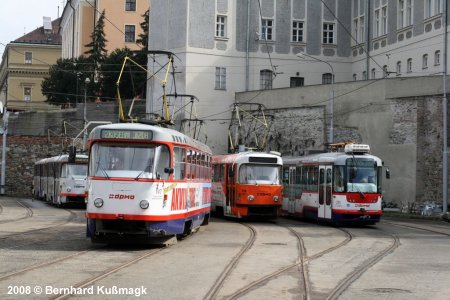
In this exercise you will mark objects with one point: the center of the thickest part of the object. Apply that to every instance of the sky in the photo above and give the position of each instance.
(18, 17)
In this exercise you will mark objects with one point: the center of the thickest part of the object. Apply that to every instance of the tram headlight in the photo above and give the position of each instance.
(68, 189)
(275, 198)
(98, 202)
(144, 204)
(250, 198)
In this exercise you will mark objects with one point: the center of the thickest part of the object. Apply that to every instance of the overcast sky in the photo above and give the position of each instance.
(18, 17)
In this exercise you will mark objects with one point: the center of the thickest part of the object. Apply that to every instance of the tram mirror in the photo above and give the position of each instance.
(168, 170)
(230, 173)
(388, 174)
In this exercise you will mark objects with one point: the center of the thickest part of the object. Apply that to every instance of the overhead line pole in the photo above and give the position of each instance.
(445, 116)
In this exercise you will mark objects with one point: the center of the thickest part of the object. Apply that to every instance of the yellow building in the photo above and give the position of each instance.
(25, 63)
(122, 24)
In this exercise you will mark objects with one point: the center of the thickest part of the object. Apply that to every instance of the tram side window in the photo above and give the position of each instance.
(338, 179)
(298, 175)
(286, 175)
(180, 158)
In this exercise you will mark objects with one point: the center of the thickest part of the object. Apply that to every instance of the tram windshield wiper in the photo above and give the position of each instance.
(100, 167)
(147, 167)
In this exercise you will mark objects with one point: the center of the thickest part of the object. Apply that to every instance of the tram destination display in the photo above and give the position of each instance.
(126, 134)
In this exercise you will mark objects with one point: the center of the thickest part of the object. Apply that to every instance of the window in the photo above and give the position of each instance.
(297, 31)
(266, 79)
(404, 13)
(437, 58)
(358, 21)
(297, 81)
(328, 33)
(364, 75)
(267, 29)
(327, 78)
(425, 61)
(130, 33)
(221, 78)
(399, 68)
(221, 26)
(130, 5)
(385, 72)
(28, 57)
(433, 7)
(180, 163)
(27, 94)
(409, 65)
(354, 77)
(373, 73)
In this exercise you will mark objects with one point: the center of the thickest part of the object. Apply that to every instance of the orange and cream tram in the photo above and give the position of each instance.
(335, 186)
(247, 184)
(146, 182)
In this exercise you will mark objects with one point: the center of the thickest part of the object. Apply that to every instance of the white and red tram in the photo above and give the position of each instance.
(59, 180)
(146, 182)
(335, 186)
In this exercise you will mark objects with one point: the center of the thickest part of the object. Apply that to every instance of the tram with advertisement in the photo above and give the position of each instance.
(247, 184)
(340, 187)
(146, 183)
(60, 179)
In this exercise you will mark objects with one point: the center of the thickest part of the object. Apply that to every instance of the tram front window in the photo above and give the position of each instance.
(259, 174)
(362, 176)
(129, 161)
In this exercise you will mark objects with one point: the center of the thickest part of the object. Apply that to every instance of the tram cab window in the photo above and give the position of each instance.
(259, 174)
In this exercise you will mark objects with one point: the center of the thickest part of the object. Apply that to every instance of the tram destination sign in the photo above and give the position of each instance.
(123, 134)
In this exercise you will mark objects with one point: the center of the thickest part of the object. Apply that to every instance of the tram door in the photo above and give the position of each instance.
(230, 189)
(291, 190)
(325, 181)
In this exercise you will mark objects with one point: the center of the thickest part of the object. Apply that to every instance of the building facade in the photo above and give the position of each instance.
(228, 46)
(25, 64)
(122, 24)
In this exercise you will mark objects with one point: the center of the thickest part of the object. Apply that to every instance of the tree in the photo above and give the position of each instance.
(133, 81)
(143, 37)
(97, 51)
(65, 81)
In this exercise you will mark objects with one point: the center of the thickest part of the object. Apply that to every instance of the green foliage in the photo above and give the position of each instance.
(97, 47)
(66, 81)
(143, 37)
(133, 81)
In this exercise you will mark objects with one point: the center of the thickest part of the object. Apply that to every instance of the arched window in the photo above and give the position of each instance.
(327, 78)
(266, 77)
(364, 75)
(437, 58)
(399, 68)
(354, 77)
(374, 74)
(425, 61)
(409, 65)
(385, 72)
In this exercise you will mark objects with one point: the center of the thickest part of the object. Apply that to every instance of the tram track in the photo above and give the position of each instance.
(108, 272)
(417, 227)
(214, 290)
(29, 213)
(301, 262)
(353, 276)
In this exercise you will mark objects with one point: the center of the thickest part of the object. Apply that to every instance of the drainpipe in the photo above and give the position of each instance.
(247, 58)
(367, 25)
(73, 29)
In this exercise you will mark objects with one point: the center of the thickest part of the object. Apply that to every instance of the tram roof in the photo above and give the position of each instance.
(158, 134)
(63, 158)
(245, 157)
(328, 157)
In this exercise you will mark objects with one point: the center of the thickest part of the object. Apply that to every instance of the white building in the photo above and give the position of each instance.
(233, 46)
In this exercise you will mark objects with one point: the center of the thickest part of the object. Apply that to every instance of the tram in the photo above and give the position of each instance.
(146, 183)
(247, 184)
(343, 186)
(59, 180)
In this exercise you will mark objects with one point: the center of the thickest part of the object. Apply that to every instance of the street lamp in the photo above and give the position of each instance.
(302, 55)
(86, 82)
